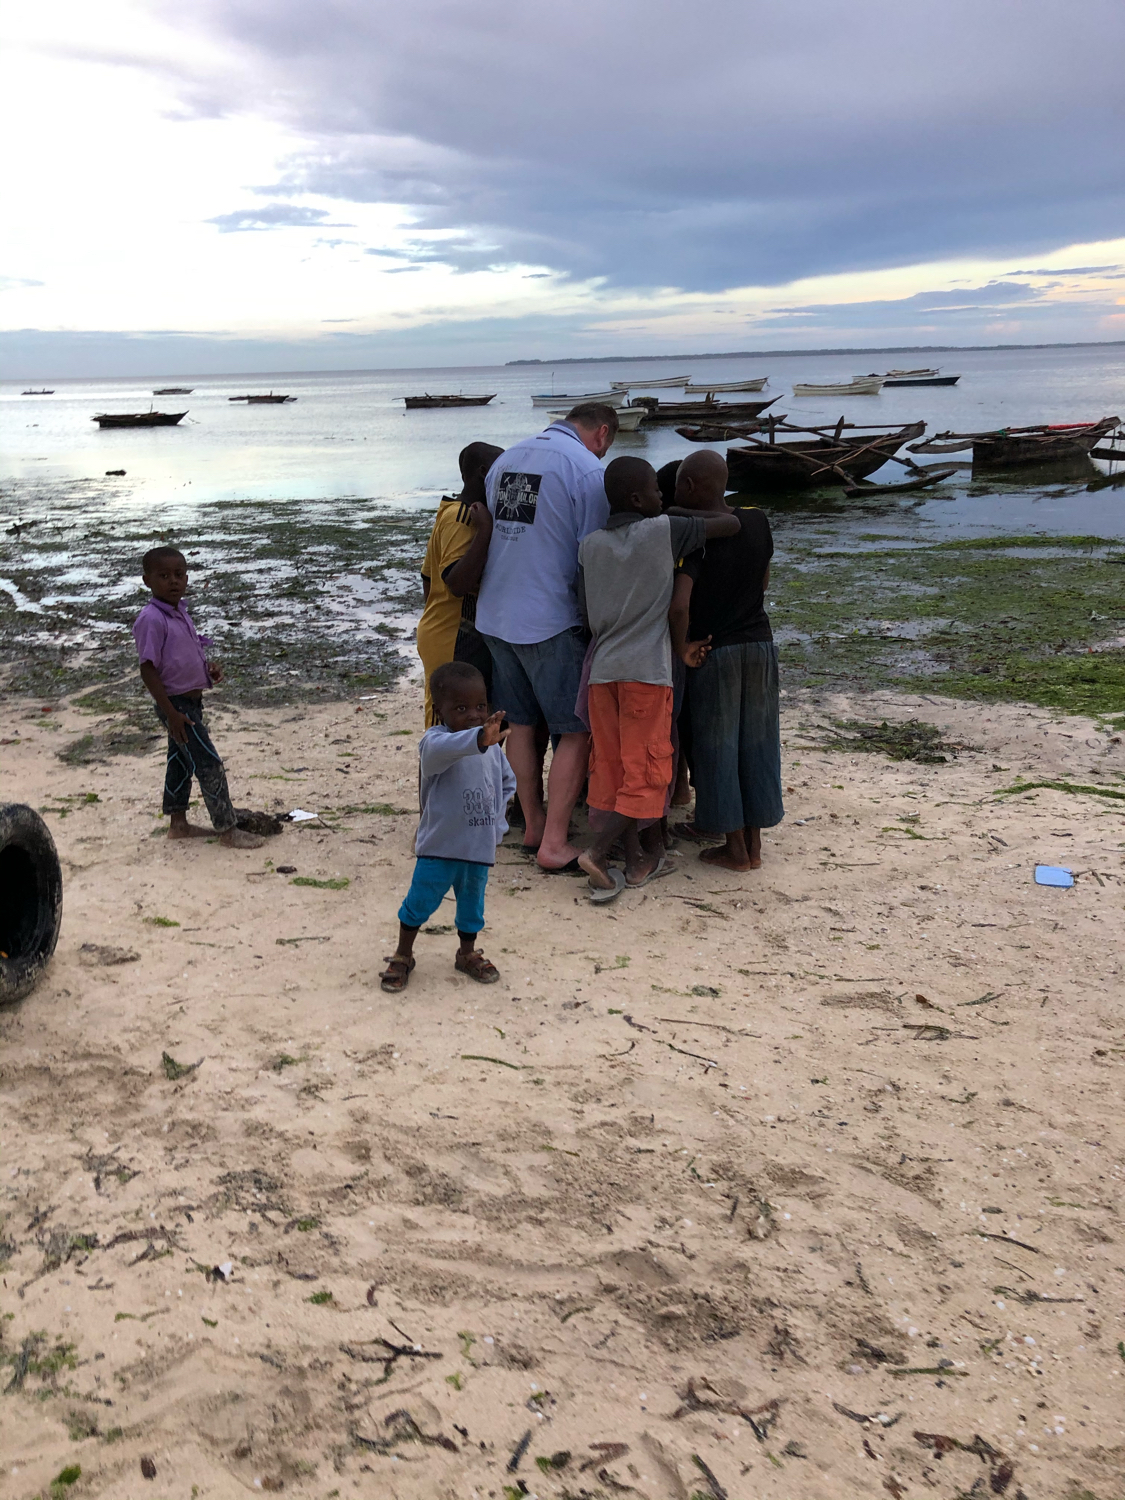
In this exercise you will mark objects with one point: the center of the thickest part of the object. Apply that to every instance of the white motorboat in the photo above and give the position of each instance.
(668, 383)
(629, 418)
(709, 388)
(555, 399)
(859, 385)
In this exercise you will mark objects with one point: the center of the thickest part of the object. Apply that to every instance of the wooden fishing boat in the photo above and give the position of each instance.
(920, 482)
(139, 418)
(427, 402)
(666, 383)
(924, 377)
(695, 412)
(629, 418)
(37, 393)
(822, 457)
(1023, 447)
(268, 400)
(174, 390)
(558, 401)
(713, 388)
(859, 385)
(910, 374)
(720, 432)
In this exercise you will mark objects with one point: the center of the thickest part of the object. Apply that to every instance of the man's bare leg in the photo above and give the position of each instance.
(525, 761)
(180, 828)
(564, 783)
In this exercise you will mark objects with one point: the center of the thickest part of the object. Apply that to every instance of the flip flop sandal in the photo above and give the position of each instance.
(599, 897)
(477, 967)
(662, 868)
(396, 975)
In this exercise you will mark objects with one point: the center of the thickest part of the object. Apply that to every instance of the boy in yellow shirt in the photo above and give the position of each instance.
(450, 539)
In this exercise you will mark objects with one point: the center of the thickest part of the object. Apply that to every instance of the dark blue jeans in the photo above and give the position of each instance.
(197, 758)
(736, 739)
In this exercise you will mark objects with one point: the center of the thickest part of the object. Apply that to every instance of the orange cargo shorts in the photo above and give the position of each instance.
(631, 751)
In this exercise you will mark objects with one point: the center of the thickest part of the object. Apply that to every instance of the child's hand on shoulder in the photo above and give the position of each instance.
(214, 671)
(490, 732)
(695, 653)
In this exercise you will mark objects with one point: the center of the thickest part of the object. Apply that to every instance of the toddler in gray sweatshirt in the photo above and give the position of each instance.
(465, 785)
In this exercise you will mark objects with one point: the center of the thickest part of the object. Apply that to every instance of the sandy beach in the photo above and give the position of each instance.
(801, 1183)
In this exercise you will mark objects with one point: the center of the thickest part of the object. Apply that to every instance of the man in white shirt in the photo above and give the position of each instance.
(545, 494)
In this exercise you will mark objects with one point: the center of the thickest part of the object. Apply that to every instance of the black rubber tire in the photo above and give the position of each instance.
(30, 900)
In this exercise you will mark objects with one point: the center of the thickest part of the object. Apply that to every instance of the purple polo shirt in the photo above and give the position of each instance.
(166, 637)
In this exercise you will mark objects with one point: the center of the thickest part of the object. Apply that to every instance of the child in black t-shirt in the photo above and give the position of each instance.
(733, 696)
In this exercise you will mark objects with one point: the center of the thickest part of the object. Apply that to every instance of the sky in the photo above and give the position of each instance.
(267, 184)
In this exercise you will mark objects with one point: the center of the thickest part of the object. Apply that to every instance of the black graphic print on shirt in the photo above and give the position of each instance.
(517, 496)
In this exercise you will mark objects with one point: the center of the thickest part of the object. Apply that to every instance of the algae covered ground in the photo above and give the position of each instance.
(302, 599)
(316, 599)
(1037, 619)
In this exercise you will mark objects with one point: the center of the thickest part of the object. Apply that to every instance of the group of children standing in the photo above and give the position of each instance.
(679, 668)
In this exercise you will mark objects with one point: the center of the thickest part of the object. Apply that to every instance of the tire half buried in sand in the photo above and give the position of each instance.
(30, 900)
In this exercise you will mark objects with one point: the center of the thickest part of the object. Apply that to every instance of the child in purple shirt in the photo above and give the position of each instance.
(176, 673)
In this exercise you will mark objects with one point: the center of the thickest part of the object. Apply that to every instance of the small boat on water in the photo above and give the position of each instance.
(1023, 447)
(720, 432)
(859, 385)
(711, 413)
(919, 377)
(555, 401)
(267, 400)
(428, 402)
(667, 383)
(822, 457)
(37, 393)
(174, 390)
(711, 388)
(629, 418)
(139, 418)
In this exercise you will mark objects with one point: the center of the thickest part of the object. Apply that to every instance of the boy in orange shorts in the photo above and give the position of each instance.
(625, 590)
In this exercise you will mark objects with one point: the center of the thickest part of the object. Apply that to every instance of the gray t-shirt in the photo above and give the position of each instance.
(464, 793)
(626, 582)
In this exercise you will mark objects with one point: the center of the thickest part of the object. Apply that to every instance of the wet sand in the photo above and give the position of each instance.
(772, 1185)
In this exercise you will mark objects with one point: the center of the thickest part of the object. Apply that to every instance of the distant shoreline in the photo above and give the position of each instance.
(627, 359)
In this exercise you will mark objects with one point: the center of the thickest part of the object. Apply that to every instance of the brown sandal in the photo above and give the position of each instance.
(396, 975)
(477, 967)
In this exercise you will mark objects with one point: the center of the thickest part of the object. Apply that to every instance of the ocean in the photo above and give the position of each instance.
(305, 522)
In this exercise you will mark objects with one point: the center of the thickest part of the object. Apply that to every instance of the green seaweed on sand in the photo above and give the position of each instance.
(337, 883)
(1073, 787)
(912, 740)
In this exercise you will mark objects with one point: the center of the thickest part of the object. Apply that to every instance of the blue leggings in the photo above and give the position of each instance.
(432, 878)
(198, 758)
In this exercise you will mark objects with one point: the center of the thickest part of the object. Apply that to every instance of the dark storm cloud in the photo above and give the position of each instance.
(275, 216)
(654, 145)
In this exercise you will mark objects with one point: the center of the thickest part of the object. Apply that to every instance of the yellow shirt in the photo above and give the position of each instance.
(441, 618)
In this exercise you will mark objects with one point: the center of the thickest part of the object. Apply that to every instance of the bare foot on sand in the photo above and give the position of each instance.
(598, 873)
(739, 853)
(189, 831)
(638, 870)
(721, 858)
(554, 857)
(235, 838)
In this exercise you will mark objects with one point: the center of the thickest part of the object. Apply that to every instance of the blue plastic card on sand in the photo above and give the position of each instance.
(1053, 875)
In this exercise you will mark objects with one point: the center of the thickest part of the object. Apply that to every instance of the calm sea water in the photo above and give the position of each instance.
(348, 436)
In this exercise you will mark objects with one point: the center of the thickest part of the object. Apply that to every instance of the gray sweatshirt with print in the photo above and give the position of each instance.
(464, 794)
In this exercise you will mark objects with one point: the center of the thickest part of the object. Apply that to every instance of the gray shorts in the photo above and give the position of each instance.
(540, 681)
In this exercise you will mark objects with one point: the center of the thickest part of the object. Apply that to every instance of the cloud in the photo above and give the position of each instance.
(1065, 271)
(16, 283)
(275, 216)
(609, 143)
(960, 315)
